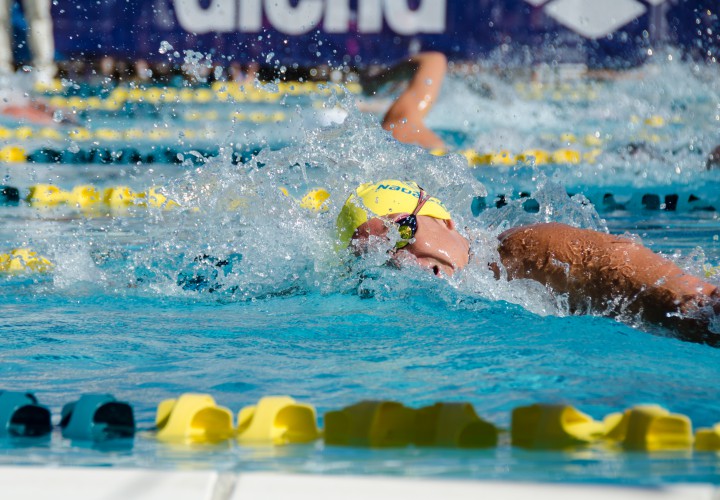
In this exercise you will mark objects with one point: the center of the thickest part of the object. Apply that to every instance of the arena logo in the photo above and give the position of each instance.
(333, 16)
(592, 18)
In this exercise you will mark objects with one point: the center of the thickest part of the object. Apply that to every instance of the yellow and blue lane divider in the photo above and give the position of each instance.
(118, 198)
(536, 157)
(166, 154)
(217, 92)
(26, 133)
(563, 91)
(193, 418)
(106, 145)
(88, 196)
(91, 153)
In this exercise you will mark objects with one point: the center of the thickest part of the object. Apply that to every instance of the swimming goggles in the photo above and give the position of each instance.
(407, 223)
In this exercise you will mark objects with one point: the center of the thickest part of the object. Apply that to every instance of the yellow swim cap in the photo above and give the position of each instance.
(381, 199)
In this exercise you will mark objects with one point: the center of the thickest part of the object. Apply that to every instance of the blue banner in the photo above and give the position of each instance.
(361, 32)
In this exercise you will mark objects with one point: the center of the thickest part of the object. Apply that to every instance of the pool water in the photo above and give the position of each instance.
(137, 307)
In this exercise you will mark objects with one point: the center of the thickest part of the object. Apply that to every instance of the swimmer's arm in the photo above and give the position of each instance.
(405, 116)
(426, 79)
(402, 71)
(601, 268)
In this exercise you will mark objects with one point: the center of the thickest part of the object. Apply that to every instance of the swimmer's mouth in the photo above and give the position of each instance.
(435, 269)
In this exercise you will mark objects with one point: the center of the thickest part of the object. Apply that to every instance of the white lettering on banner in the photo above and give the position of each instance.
(294, 20)
(218, 17)
(428, 18)
(246, 16)
(337, 16)
(250, 16)
(370, 19)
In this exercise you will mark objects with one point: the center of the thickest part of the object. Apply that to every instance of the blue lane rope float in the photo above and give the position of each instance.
(608, 202)
(22, 416)
(120, 156)
(9, 195)
(97, 417)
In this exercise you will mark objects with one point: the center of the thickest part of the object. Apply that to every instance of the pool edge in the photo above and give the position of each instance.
(78, 483)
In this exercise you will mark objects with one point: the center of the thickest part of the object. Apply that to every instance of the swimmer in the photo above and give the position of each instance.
(608, 274)
(37, 113)
(405, 117)
(22, 106)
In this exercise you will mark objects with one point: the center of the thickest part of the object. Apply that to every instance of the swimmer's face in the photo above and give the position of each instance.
(437, 247)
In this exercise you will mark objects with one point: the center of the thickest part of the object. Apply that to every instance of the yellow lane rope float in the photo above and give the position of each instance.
(23, 260)
(711, 271)
(13, 154)
(120, 198)
(217, 92)
(537, 157)
(279, 420)
(88, 196)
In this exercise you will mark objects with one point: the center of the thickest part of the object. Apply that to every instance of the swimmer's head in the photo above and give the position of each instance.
(382, 199)
(374, 207)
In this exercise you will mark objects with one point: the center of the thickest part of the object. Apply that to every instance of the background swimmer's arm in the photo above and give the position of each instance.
(405, 116)
(614, 275)
(403, 71)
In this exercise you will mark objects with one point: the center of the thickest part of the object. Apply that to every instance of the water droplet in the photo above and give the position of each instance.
(165, 47)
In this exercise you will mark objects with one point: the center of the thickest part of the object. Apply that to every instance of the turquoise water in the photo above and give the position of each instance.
(292, 316)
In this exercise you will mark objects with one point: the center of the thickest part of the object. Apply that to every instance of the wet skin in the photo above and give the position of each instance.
(437, 245)
(607, 274)
(611, 275)
(406, 117)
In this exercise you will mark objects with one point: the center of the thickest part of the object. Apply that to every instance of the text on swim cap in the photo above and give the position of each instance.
(405, 190)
